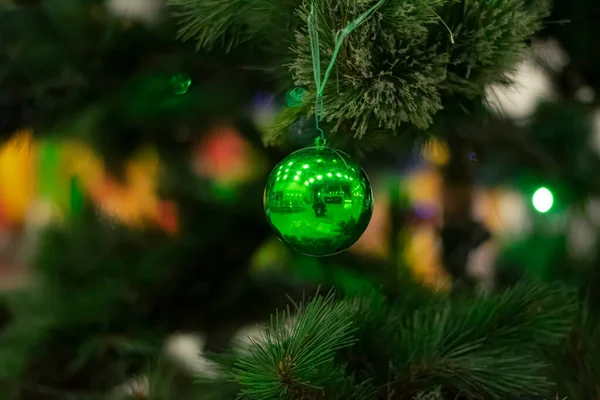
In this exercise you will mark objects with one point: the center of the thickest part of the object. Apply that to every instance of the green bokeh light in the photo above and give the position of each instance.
(180, 83)
(295, 97)
(542, 200)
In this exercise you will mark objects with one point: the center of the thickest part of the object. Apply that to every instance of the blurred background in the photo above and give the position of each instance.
(480, 199)
(521, 191)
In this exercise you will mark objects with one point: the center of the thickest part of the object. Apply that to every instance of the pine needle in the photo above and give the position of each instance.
(298, 352)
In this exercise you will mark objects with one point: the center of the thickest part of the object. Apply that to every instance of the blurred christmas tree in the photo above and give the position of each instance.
(138, 136)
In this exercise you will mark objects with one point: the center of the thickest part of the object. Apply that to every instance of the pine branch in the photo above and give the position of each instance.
(485, 348)
(399, 68)
(228, 23)
(298, 352)
(414, 348)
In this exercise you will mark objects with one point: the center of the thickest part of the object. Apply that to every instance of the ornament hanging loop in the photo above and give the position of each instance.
(313, 36)
(318, 199)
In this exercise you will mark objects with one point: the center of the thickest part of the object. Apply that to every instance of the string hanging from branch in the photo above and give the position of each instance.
(318, 199)
(313, 35)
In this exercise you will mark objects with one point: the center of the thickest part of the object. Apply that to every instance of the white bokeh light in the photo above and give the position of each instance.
(139, 10)
(531, 82)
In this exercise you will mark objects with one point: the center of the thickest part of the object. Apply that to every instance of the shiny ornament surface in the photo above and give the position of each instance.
(319, 201)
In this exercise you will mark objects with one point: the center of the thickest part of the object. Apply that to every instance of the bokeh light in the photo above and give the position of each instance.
(542, 200)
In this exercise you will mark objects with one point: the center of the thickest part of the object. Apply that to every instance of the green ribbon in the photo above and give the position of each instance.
(313, 36)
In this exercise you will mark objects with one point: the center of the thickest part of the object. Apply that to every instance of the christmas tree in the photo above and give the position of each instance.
(137, 140)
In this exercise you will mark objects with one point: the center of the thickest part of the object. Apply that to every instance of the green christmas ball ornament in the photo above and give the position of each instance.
(319, 201)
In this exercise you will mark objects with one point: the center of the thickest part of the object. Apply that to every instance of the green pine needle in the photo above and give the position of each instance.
(298, 351)
(488, 348)
(404, 64)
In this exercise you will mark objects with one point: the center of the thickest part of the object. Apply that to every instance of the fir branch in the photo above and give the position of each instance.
(400, 67)
(420, 348)
(401, 63)
(297, 354)
(488, 348)
(229, 23)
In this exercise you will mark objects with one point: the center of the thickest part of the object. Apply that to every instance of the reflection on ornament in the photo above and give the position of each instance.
(319, 201)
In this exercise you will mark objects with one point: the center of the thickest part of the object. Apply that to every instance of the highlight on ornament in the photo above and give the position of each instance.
(319, 201)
